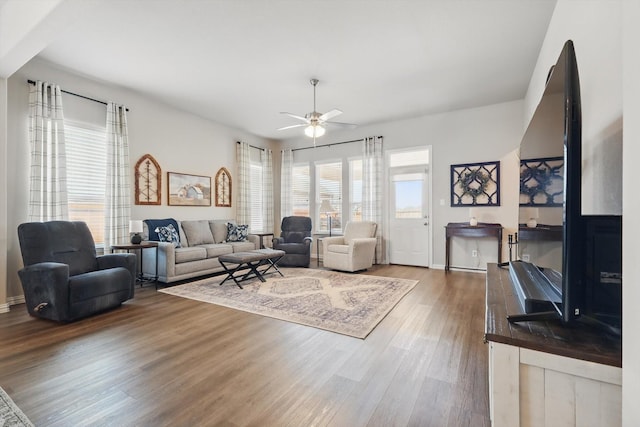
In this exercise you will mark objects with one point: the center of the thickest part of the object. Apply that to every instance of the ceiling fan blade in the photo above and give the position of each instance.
(329, 115)
(342, 125)
(293, 126)
(304, 119)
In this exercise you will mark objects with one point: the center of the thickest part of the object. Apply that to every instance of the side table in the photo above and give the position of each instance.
(262, 235)
(464, 229)
(318, 241)
(140, 246)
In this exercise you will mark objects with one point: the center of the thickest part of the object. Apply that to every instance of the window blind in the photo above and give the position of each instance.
(256, 190)
(300, 187)
(329, 187)
(86, 147)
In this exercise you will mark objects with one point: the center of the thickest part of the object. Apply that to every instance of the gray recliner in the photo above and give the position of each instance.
(63, 279)
(295, 239)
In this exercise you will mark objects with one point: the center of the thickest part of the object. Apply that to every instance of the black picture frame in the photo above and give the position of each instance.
(542, 182)
(475, 184)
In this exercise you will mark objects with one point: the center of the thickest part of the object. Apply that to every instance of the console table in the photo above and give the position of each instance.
(464, 229)
(550, 233)
(543, 373)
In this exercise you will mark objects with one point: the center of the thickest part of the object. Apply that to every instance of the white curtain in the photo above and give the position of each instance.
(118, 191)
(266, 157)
(48, 176)
(286, 179)
(372, 172)
(243, 212)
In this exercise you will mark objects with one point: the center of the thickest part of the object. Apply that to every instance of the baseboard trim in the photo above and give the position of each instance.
(19, 299)
(4, 308)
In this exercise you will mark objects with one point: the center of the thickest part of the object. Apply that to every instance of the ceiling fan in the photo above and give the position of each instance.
(315, 122)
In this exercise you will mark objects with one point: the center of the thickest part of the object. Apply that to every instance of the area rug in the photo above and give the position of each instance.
(349, 304)
(10, 414)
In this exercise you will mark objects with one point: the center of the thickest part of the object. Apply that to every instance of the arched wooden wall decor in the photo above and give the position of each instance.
(148, 181)
(223, 188)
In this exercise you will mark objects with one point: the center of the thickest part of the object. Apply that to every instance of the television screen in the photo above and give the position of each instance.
(547, 275)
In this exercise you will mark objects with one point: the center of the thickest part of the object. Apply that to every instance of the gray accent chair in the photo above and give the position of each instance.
(63, 278)
(295, 239)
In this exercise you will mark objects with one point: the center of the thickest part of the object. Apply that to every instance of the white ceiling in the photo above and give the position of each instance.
(240, 63)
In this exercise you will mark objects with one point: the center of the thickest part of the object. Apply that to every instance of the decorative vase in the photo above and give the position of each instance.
(532, 223)
(473, 221)
(136, 239)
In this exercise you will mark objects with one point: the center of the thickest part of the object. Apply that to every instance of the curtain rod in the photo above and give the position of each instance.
(31, 82)
(252, 146)
(330, 144)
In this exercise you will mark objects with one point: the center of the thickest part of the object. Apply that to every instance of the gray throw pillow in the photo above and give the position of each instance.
(197, 232)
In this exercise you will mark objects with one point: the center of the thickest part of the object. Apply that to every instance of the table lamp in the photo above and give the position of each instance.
(325, 207)
(135, 228)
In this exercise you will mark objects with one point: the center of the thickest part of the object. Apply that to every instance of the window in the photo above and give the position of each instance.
(355, 190)
(300, 187)
(257, 223)
(329, 188)
(408, 191)
(86, 147)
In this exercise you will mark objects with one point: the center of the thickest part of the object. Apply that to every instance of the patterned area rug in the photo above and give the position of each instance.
(10, 414)
(349, 304)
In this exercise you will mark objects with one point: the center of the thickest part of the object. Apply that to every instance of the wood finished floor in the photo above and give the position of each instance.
(162, 360)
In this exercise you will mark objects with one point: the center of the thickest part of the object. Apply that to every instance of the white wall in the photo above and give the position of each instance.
(179, 141)
(482, 134)
(3, 201)
(596, 30)
(631, 209)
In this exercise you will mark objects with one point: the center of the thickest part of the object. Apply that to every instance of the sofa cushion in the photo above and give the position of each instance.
(294, 248)
(219, 230)
(237, 233)
(242, 246)
(197, 232)
(95, 284)
(168, 234)
(217, 249)
(152, 224)
(190, 254)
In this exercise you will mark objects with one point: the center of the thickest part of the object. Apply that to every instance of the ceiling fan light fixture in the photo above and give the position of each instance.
(314, 131)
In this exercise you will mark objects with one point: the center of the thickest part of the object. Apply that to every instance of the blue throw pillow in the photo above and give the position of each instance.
(168, 234)
(237, 233)
(152, 224)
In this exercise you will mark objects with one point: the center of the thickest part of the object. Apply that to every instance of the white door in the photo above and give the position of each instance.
(409, 215)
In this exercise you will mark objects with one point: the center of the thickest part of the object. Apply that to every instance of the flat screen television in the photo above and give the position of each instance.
(558, 287)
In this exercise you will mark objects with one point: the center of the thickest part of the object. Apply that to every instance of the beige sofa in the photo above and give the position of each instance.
(201, 243)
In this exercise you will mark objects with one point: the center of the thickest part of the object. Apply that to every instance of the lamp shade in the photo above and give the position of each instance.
(325, 206)
(135, 226)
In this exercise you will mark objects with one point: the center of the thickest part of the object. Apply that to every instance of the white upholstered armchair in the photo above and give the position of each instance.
(354, 250)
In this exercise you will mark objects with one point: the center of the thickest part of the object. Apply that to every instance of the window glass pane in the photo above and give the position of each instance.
(301, 187)
(409, 158)
(408, 198)
(329, 188)
(86, 148)
(355, 193)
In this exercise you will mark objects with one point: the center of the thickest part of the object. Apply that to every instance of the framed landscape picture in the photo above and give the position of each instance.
(188, 190)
